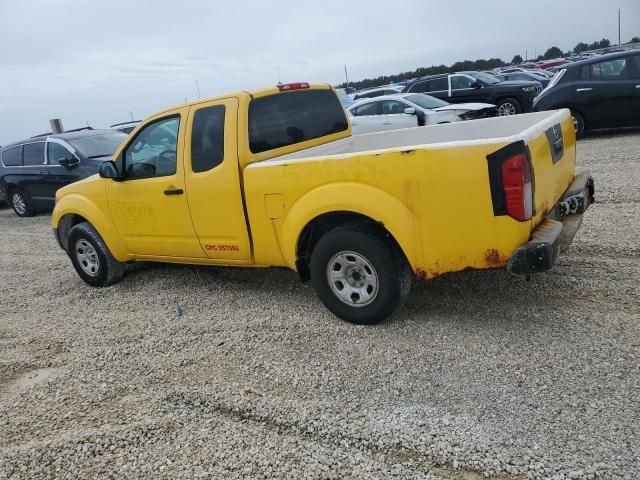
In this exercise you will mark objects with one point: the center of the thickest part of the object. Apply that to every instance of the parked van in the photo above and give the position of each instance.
(32, 171)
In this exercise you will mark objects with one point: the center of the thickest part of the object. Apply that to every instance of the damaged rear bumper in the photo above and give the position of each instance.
(555, 233)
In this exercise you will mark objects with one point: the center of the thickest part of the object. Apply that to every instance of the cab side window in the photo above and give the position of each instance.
(153, 152)
(33, 154)
(207, 141)
(57, 152)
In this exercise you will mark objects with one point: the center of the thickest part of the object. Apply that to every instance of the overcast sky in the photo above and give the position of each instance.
(86, 61)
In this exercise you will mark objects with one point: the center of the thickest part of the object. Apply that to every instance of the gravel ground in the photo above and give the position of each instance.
(481, 375)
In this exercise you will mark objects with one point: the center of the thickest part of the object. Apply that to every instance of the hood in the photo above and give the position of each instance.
(465, 106)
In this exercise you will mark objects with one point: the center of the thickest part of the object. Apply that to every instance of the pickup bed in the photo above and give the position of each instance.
(274, 178)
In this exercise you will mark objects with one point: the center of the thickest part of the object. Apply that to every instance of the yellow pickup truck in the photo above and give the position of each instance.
(274, 178)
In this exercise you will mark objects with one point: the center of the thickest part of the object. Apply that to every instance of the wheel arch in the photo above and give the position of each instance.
(313, 215)
(73, 209)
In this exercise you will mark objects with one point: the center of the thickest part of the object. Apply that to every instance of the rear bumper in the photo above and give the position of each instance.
(555, 233)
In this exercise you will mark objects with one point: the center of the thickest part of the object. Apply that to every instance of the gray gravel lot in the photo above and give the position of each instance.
(481, 374)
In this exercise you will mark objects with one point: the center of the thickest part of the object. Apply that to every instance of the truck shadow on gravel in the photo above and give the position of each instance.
(477, 295)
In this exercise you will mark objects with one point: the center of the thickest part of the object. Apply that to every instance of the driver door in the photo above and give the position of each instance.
(148, 205)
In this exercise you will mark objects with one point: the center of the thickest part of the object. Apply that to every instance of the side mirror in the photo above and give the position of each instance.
(68, 163)
(108, 170)
(476, 84)
(410, 111)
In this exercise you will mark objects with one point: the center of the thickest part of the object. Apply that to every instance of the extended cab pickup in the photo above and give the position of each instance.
(274, 178)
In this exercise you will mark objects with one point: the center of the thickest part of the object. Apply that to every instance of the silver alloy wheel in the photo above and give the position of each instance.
(352, 278)
(506, 109)
(19, 203)
(575, 123)
(87, 257)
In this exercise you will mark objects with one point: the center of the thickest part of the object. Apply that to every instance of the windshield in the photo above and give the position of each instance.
(94, 146)
(426, 101)
(486, 78)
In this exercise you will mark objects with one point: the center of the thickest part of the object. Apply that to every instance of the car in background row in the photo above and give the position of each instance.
(511, 98)
(406, 110)
(344, 97)
(31, 171)
(524, 76)
(378, 92)
(602, 92)
(125, 127)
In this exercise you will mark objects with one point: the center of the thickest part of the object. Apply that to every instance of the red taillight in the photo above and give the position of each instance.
(516, 184)
(284, 87)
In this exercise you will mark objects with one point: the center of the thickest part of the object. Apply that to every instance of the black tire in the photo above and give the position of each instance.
(390, 269)
(20, 203)
(85, 240)
(578, 123)
(510, 105)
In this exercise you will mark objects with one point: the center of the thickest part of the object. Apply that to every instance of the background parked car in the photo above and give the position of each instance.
(378, 92)
(344, 97)
(601, 92)
(510, 97)
(125, 127)
(524, 76)
(31, 171)
(405, 110)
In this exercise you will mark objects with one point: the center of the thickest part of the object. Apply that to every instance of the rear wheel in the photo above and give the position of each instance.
(21, 204)
(360, 274)
(578, 123)
(91, 257)
(509, 106)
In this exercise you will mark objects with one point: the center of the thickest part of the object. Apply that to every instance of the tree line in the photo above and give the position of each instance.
(550, 54)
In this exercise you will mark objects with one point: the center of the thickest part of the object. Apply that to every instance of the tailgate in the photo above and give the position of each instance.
(553, 159)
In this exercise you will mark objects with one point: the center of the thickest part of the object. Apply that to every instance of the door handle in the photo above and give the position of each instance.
(584, 89)
(174, 191)
(387, 123)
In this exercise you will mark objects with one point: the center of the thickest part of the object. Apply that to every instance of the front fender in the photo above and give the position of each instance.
(360, 198)
(77, 204)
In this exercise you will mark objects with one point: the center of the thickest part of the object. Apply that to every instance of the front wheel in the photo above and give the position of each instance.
(360, 274)
(509, 106)
(91, 257)
(20, 204)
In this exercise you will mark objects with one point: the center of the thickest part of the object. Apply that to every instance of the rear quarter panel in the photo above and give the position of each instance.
(436, 202)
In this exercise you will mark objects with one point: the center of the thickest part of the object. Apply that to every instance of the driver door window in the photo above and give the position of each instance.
(57, 152)
(153, 153)
(459, 82)
(393, 107)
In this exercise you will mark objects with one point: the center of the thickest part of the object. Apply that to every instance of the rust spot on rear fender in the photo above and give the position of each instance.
(494, 259)
(421, 274)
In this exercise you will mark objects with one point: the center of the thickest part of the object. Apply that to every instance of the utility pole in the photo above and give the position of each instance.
(526, 55)
(198, 88)
(619, 42)
(131, 113)
(346, 75)
(278, 69)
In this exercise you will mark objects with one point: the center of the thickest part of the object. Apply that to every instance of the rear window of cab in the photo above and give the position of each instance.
(293, 117)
